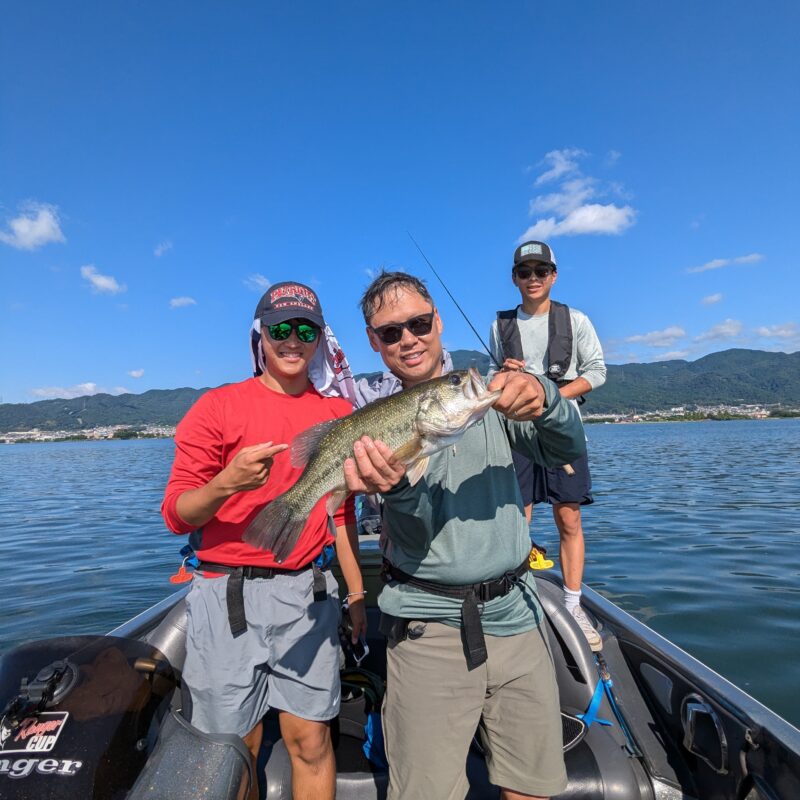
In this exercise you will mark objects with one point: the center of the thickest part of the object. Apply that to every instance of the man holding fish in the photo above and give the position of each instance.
(262, 633)
(466, 649)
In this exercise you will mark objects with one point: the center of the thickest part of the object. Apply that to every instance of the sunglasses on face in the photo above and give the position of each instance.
(283, 330)
(393, 332)
(523, 273)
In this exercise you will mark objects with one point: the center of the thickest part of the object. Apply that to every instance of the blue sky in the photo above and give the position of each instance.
(160, 164)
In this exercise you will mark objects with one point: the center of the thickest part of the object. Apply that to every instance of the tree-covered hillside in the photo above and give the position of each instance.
(730, 377)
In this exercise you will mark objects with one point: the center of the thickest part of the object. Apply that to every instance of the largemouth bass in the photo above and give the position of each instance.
(414, 423)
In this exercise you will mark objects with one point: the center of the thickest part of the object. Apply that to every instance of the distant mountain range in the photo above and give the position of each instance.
(731, 377)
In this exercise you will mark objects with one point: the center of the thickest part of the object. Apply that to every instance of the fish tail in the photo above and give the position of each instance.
(276, 527)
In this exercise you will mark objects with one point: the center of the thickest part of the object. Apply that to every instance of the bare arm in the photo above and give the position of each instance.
(347, 555)
(575, 388)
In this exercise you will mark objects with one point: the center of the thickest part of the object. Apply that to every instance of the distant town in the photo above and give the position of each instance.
(677, 414)
(89, 434)
(696, 413)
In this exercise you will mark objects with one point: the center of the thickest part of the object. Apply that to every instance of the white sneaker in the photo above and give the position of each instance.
(592, 636)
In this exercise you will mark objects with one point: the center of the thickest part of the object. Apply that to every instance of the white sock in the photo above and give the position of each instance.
(571, 599)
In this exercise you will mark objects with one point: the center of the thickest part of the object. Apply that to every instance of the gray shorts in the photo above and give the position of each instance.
(434, 704)
(287, 659)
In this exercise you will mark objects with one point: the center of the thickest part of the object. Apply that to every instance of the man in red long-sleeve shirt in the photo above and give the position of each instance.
(266, 635)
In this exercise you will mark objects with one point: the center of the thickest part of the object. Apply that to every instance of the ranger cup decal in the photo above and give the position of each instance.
(34, 735)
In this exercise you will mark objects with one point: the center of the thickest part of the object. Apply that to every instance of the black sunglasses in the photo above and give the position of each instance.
(523, 273)
(283, 330)
(393, 332)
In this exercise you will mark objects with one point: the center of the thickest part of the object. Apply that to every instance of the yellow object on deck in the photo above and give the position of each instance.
(536, 560)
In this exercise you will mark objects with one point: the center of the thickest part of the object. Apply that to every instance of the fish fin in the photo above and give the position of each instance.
(276, 527)
(335, 499)
(417, 470)
(409, 451)
(306, 444)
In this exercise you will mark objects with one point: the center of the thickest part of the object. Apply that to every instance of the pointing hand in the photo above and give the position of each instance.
(250, 467)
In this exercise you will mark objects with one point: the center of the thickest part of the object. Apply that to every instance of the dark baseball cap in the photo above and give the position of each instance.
(289, 300)
(534, 253)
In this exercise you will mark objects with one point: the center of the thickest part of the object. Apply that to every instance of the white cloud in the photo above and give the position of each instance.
(573, 195)
(788, 330)
(162, 247)
(718, 263)
(710, 299)
(136, 373)
(180, 302)
(785, 337)
(37, 225)
(673, 355)
(574, 206)
(729, 329)
(370, 273)
(592, 218)
(101, 284)
(663, 338)
(561, 162)
(257, 282)
(78, 390)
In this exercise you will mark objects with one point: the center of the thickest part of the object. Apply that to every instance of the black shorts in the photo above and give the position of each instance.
(538, 484)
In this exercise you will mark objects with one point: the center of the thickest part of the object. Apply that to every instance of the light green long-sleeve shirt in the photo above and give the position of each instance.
(463, 523)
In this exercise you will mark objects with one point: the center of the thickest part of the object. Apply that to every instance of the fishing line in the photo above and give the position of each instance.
(427, 261)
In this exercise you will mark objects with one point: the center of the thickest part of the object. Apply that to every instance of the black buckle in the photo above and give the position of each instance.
(484, 592)
(511, 579)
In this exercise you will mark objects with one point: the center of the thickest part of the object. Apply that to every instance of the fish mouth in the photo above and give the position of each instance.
(476, 390)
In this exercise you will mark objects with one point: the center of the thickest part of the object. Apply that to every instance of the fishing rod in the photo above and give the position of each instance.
(463, 314)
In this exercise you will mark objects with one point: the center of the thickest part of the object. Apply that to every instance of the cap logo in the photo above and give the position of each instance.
(293, 295)
(531, 249)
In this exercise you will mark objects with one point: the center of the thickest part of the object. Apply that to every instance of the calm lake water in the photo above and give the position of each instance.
(695, 530)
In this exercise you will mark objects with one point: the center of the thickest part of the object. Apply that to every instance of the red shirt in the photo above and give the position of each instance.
(216, 427)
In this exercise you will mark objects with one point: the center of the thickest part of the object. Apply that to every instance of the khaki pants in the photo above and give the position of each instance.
(434, 705)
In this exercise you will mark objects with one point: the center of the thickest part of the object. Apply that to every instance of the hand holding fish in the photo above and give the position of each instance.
(522, 396)
(374, 468)
(250, 467)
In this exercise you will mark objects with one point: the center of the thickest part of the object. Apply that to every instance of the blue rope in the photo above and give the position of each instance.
(590, 715)
(604, 687)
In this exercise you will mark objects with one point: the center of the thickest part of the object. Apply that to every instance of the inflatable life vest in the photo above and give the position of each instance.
(559, 339)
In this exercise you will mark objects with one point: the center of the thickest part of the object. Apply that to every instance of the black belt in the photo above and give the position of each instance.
(472, 594)
(234, 593)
